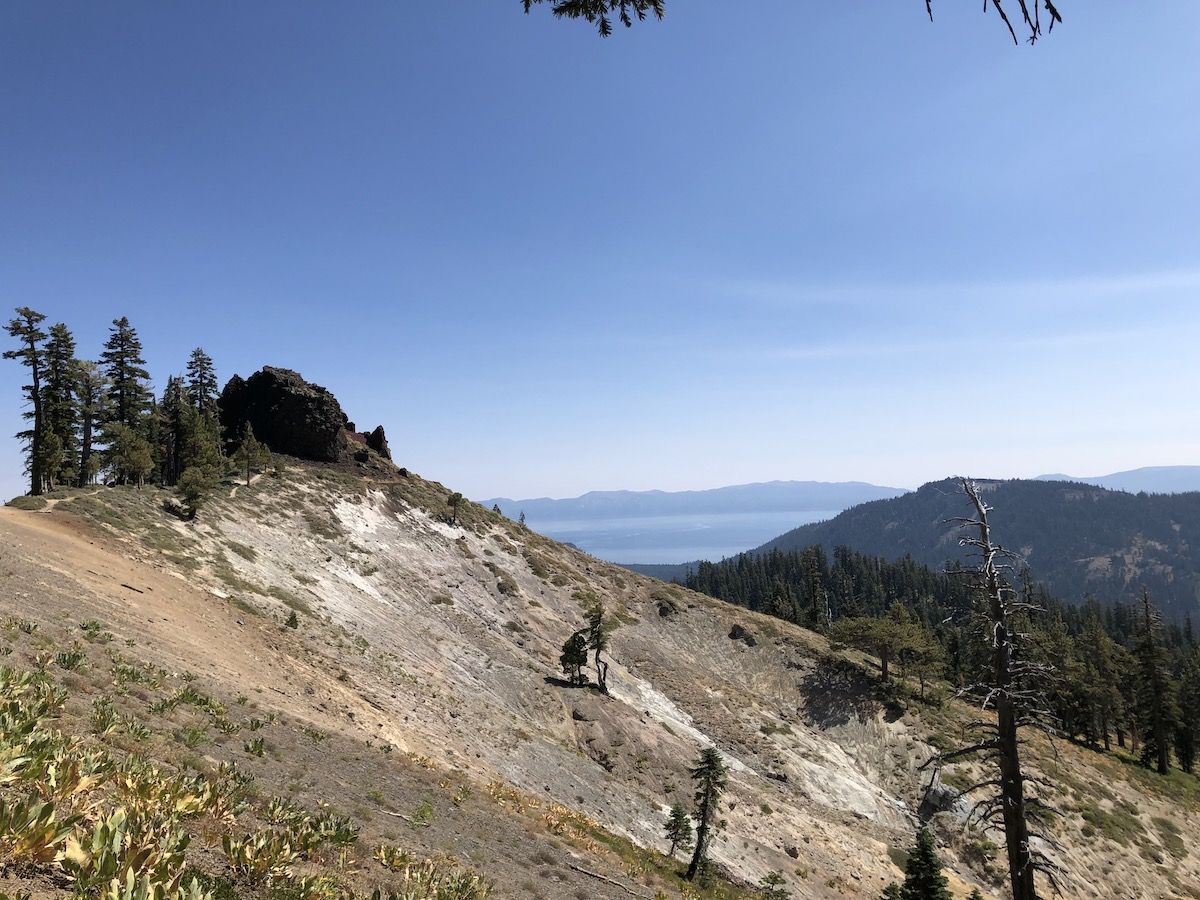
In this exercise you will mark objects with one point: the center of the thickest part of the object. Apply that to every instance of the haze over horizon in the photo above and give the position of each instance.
(781, 274)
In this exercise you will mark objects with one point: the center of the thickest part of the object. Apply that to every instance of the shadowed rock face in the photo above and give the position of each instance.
(288, 414)
(377, 441)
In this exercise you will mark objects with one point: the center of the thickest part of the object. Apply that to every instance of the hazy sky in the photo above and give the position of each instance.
(829, 241)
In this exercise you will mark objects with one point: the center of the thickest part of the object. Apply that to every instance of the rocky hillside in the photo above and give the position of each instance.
(419, 694)
(1077, 539)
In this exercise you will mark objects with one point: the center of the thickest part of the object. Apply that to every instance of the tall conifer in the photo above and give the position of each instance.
(91, 391)
(1155, 698)
(201, 381)
(129, 391)
(923, 878)
(60, 405)
(711, 778)
(26, 328)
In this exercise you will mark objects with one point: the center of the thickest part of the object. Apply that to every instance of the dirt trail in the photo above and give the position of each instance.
(56, 564)
(52, 502)
(233, 490)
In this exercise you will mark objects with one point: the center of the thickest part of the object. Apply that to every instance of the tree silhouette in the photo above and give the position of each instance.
(574, 657)
(454, 501)
(59, 406)
(251, 453)
(201, 380)
(923, 878)
(91, 389)
(1155, 695)
(678, 829)
(26, 328)
(711, 779)
(1187, 735)
(127, 375)
(597, 641)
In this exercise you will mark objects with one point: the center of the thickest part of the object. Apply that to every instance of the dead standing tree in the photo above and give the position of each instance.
(1012, 689)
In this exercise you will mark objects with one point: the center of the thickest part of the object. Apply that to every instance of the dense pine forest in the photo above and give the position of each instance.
(1118, 671)
(1079, 539)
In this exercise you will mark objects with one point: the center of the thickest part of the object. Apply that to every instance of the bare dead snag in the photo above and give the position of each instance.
(1012, 689)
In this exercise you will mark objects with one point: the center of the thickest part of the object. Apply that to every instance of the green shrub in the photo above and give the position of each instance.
(69, 659)
(27, 503)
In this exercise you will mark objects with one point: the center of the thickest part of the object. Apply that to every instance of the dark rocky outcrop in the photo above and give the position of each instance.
(292, 416)
(377, 441)
(740, 633)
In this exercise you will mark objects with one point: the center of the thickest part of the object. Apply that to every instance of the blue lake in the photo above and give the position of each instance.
(675, 539)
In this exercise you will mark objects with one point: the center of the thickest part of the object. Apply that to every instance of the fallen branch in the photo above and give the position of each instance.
(132, 588)
(626, 888)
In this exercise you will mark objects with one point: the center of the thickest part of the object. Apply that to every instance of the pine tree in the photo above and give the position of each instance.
(201, 381)
(59, 404)
(173, 431)
(26, 328)
(195, 485)
(252, 454)
(1155, 698)
(90, 390)
(454, 501)
(129, 392)
(129, 455)
(678, 829)
(194, 437)
(201, 446)
(774, 887)
(51, 455)
(1100, 671)
(974, 895)
(711, 778)
(926, 657)
(1188, 731)
(152, 431)
(923, 878)
(819, 615)
(574, 657)
(891, 892)
(597, 638)
(888, 637)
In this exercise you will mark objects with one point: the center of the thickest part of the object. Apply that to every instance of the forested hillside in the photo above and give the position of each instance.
(1076, 539)
(1105, 658)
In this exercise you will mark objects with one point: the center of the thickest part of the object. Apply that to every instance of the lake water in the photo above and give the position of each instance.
(675, 539)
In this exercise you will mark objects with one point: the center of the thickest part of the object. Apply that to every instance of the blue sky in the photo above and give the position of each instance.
(828, 241)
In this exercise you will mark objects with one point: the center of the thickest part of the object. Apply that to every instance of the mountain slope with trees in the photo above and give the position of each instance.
(353, 602)
(349, 603)
(1077, 539)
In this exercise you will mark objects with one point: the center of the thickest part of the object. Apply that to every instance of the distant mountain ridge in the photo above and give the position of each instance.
(1151, 479)
(770, 496)
(1077, 539)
